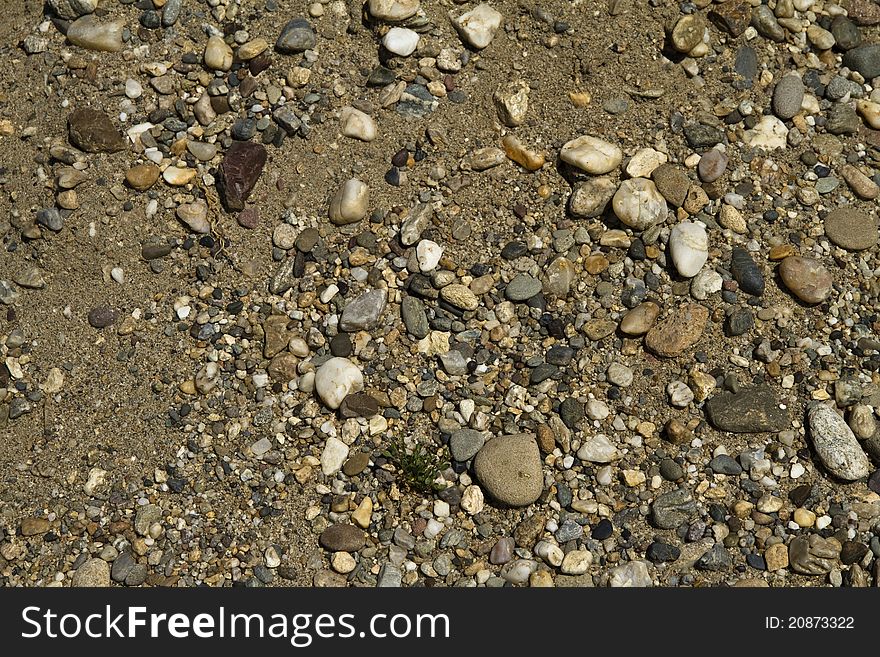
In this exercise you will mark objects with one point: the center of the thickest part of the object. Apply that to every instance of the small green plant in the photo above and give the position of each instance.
(418, 467)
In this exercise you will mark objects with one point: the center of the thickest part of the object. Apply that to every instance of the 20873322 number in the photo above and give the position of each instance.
(820, 622)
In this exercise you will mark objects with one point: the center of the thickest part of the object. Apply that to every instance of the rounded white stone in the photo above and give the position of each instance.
(689, 247)
(336, 379)
(428, 254)
(401, 41)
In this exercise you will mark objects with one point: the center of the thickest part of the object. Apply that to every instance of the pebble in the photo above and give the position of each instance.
(750, 410)
(401, 41)
(512, 103)
(870, 113)
(337, 378)
(862, 186)
(864, 59)
(813, 554)
(218, 55)
(93, 131)
(688, 32)
(788, 97)
(598, 449)
(522, 288)
(101, 317)
(342, 537)
(393, 11)
(644, 162)
(195, 216)
(477, 27)
(428, 254)
(633, 574)
(460, 296)
(591, 154)
(93, 573)
(640, 319)
(178, 176)
(712, 165)
(689, 248)
(296, 36)
(638, 204)
(678, 332)
(589, 199)
(705, 284)
(836, 444)
(412, 311)
(350, 203)
(509, 469)
(806, 278)
(334, 456)
(672, 183)
(717, 558)
(769, 133)
(90, 33)
(357, 124)
(527, 158)
(142, 176)
(851, 229)
(671, 509)
(745, 272)
(239, 172)
(364, 312)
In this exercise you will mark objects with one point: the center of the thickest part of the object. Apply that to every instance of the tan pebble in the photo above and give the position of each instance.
(528, 159)
(142, 176)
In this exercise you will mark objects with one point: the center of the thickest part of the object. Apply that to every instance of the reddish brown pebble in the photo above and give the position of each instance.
(249, 218)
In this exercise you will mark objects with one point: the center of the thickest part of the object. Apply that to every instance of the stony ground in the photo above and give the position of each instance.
(559, 293)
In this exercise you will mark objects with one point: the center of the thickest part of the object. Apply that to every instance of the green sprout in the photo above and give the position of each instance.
(418, 467)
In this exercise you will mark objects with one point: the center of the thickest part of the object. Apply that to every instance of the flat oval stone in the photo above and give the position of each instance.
(788, 96)
(681, 330)
(522, 287)
(851, 229)
(806, 278)
(836, 444)
(101, 317)
(342, 537)
(712, 165)
(460, 296)
(640, 319)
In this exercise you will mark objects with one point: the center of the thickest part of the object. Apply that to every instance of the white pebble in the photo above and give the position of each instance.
(401, 41)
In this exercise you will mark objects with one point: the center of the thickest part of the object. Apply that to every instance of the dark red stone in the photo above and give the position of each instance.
(238, 173)
(249, 218)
